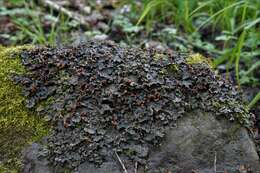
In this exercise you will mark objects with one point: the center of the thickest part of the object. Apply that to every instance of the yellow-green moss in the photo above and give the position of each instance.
(159, 56)
(172, 68)
(18, 125)
(198, 59)
(7, 170)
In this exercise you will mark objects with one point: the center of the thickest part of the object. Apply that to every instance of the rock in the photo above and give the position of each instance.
(32, 161)
(140, 104)
(155, 45)
(198, 140)
(107, 167)
(100, 37)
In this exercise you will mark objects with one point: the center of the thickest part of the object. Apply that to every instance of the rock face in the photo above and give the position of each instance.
(33, 162)
(199, 142)
(106, 102)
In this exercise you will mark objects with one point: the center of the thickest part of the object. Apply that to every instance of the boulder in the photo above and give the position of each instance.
(203, 143)
(110, 107)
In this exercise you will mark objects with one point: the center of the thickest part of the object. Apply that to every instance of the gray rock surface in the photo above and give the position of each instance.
(33, 162)
(199, 142)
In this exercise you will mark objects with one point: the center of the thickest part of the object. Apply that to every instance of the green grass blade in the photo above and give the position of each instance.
(238, 53)
(222, 58)
(200, 7)
(254, 101)
(252, 23)
(247, 25)
(219, 12)
(148, 8)
(253, 67)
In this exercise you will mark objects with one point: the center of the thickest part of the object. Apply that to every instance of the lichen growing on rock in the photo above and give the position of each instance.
(111, 99)
(18, 125)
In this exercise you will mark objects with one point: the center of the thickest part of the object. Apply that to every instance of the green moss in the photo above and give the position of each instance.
(198, 59)
(170, 69)
(173, 68)
(6, 170)
(18, 125)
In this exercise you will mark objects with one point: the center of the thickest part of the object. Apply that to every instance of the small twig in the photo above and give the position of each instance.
(121, 163)
(70, 14)
(136, 167)
(215, 163)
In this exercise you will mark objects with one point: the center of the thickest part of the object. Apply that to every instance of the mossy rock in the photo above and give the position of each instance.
(103, 99)
(18, 125)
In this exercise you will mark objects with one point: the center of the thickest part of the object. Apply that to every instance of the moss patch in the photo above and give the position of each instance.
(18, 125)
(198, 59)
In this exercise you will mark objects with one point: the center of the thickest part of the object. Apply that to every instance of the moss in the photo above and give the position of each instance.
(170, 69)
(198, 59)
(18, 125)
(173, 68)
(6, 170)
(159, 56)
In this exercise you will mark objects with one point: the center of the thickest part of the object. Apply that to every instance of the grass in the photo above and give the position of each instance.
(34, 26)
(254, 101)
(35, 29)
(231, 22)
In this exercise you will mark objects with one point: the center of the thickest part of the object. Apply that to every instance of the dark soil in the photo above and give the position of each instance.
(103, 98)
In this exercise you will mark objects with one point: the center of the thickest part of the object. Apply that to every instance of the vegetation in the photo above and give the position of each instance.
(225, 29)
(198, 59)
(135, 101)
(233, 23)
(18, 125)
(227, 32)
(33, 26)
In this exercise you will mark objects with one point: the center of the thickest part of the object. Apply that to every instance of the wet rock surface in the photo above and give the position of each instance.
(104, 99)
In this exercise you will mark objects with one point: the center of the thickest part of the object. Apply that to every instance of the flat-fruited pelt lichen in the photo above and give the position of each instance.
(18, 126)
(105, 98)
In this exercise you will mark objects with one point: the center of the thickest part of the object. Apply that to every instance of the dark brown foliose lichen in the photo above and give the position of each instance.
(105, 98)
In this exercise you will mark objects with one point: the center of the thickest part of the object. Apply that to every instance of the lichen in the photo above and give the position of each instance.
(102, 95)
(18, 125)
